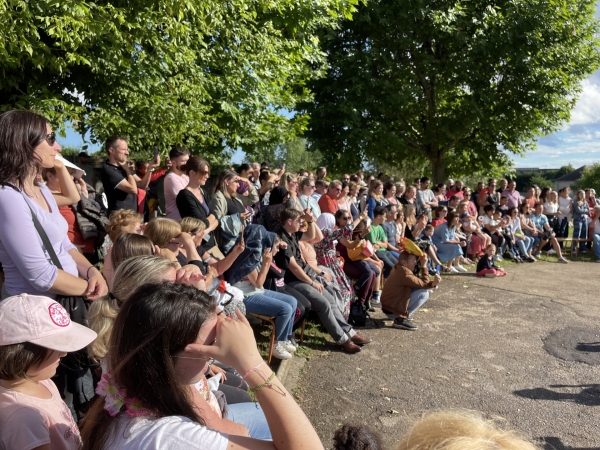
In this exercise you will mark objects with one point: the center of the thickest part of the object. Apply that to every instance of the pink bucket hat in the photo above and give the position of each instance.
(41, 321)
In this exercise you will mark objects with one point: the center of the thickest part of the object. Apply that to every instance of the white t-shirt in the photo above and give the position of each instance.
(173, 433)
(564, 207)
(551, 208)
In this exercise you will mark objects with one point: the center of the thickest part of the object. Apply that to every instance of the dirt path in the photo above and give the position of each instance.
(483, 344)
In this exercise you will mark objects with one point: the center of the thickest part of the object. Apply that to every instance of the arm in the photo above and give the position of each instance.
(256, 277)
(142, 183)
(68, 191)
(311, 232)
(211, 419)
(301, 275)
(218, 205)
(128, 184)
(252, 195)
(318, 234)
(189, 206)
(370, 207)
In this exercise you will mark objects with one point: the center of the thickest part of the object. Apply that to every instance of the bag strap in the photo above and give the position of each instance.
(41, 232)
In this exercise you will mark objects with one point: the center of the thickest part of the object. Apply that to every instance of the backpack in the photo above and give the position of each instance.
(358, 314)
(91, 220)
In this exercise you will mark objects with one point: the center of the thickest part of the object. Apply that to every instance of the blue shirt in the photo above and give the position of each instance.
(539, 221)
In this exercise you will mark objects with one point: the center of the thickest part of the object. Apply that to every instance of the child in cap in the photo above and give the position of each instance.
(35, 333)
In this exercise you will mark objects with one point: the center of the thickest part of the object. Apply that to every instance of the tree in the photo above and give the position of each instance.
(590, 179)
(459, 84)
(207, 74)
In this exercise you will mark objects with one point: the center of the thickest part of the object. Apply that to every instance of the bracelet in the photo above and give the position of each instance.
(249, 371)
(253, 391)
(87, 275)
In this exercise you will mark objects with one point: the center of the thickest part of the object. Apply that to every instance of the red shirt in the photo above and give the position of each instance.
(328, 205)
(74, 233)
(436, 222)
(453, 192)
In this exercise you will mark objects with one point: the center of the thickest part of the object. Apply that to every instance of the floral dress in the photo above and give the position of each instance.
(328, 256)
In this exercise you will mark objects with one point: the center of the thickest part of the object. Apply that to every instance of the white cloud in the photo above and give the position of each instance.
(587, 109)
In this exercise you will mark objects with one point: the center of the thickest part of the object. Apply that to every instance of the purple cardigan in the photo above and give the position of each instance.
(27, 266)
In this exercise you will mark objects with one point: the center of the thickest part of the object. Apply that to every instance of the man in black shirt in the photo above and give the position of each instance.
(301, 277)
(119, 183)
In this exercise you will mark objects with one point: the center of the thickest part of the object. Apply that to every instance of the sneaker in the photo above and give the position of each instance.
(533, 257)
(404, 324)
(368, 306)
(280, 352)
(376, 302)
(453, 269)
(583, 252)
(461, 268)
(289, 346)
(499, 258)
(551, 252)
(598, 260)
(529, 259)
(563, 260)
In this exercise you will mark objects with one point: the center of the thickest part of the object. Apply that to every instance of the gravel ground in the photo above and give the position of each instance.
(524, 350)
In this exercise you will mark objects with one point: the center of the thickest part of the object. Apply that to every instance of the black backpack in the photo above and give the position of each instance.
(358, 314)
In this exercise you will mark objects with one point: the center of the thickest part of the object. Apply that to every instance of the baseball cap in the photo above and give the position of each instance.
(41, 321)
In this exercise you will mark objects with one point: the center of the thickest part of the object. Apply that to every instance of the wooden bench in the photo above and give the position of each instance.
(573, 244)
(271, 320)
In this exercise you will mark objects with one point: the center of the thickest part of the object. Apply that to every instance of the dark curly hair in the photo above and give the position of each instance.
(356, 437)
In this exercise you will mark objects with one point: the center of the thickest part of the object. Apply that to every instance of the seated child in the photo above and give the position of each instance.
(36, 332)
(503, 205)
(486, 266)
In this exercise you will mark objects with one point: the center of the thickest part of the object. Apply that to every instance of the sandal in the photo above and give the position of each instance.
(446, 269)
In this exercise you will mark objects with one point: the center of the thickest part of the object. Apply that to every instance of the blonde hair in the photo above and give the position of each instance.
(161, 230)
(132, 272)
(120, 221)
(191, 225)
(410, 212)
(582, 201)
(286, 179)
(374, 185)
(460, 430)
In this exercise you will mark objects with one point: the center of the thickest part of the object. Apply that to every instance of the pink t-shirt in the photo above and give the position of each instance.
(173, 184)
(28, 422)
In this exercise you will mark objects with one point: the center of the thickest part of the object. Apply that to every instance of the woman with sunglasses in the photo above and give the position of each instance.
(307, 188)
(28, 145)
(193, 201)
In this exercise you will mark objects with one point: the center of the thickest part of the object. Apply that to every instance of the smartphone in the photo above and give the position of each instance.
(438, 269)
(283, 166)
(155, 148)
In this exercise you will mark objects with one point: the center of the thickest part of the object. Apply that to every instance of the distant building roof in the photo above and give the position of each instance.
(572, 176)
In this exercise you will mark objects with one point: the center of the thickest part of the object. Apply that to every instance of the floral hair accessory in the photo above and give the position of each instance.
(115, 397)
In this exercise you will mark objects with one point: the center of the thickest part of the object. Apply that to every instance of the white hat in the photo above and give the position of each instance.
(41, 321)
(78, 171)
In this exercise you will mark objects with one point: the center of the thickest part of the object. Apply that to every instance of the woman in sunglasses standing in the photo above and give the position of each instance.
(28, 145)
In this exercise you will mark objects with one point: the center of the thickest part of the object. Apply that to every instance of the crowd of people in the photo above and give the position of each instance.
(142, 290)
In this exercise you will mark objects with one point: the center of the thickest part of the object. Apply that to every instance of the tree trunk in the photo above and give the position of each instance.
(438, 168)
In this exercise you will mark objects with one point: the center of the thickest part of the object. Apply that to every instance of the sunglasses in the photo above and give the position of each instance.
(51, 138)
(312, 186)
(345, 218)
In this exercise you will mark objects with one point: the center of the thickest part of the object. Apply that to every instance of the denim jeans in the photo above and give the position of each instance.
(580, 231)
(418, 297)
(388, 261)
(596, 239)
(525, 245)
(272, 303)
(252, 416)
(563, 230)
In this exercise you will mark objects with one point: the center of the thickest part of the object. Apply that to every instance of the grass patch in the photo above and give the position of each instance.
(316, 338)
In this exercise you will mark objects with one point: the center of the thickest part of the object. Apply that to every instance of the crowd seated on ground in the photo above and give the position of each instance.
(177, 283)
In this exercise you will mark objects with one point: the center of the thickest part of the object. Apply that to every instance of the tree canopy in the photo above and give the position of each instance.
(202, 73)
(456, 84)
